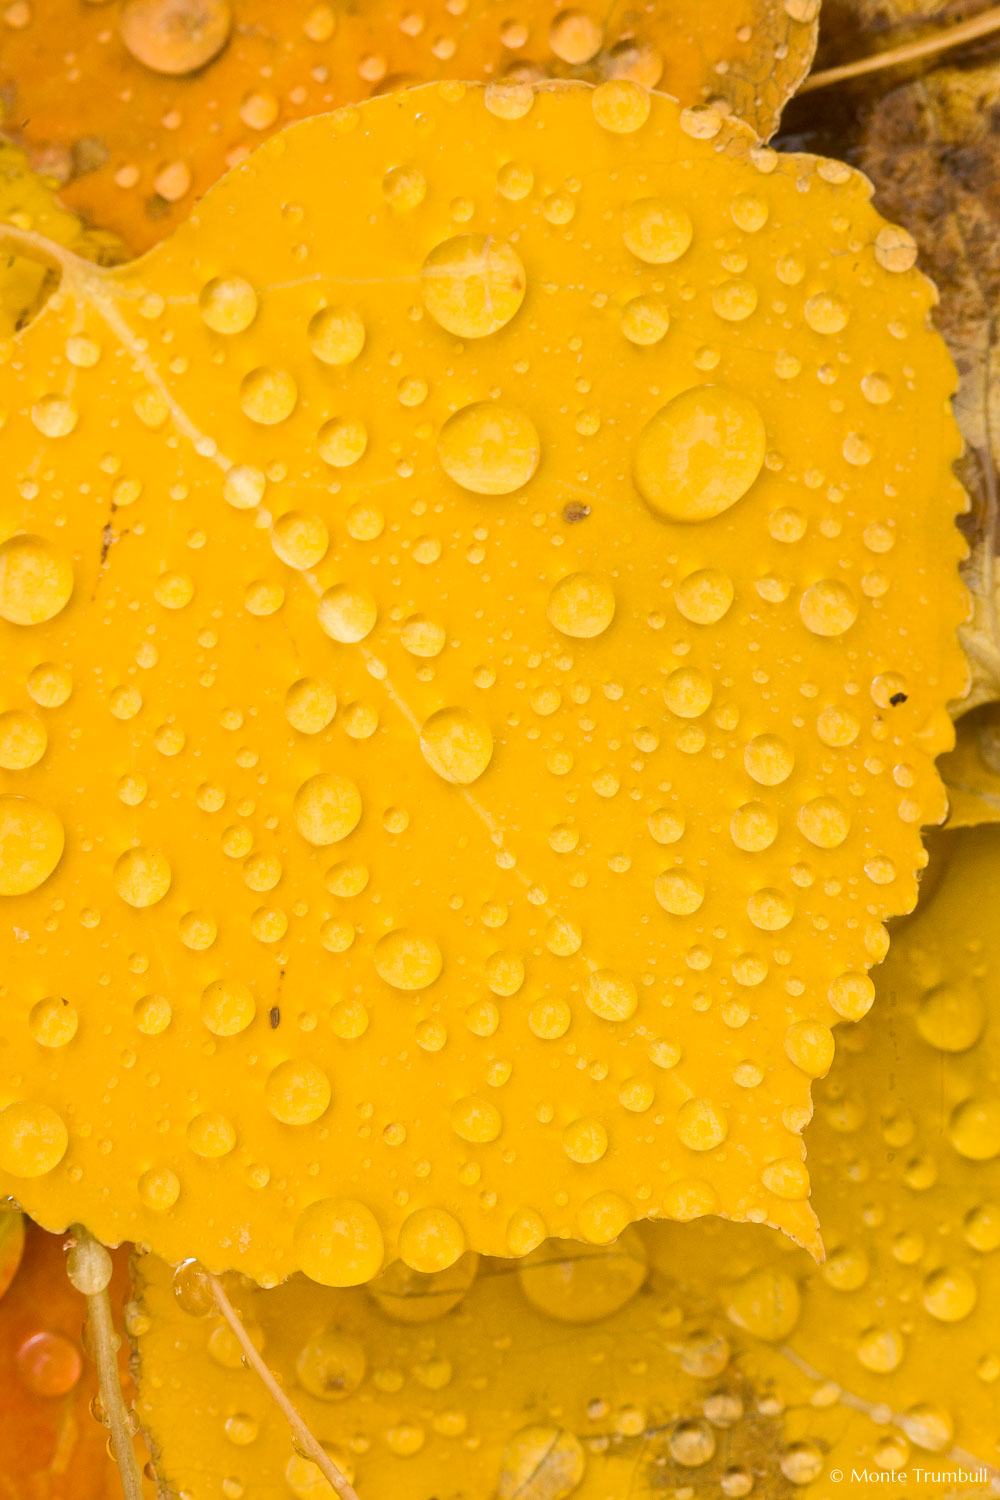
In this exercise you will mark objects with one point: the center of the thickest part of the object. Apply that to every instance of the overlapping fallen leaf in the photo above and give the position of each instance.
(707, 1355)
(140, 107)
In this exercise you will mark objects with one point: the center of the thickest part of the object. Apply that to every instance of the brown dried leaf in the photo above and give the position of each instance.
(928, 137)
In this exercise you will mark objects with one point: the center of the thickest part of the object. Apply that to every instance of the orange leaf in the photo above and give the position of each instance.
(142, 107)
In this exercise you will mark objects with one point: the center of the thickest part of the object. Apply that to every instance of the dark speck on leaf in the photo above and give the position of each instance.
(575, 511)
(275, 1017)
(897, 699)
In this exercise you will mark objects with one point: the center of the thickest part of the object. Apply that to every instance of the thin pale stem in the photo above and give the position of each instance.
(307, 1443)
(105, 1345)
(35, 246)
(971, 30)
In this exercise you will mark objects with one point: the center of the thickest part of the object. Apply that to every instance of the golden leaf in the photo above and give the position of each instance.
(458, 768)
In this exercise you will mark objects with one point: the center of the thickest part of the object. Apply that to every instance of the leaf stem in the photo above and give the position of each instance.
(105, 1345)
(304, 1437)
(35, 246)
(971, 30)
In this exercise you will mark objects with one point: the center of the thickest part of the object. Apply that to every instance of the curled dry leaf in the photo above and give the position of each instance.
(708, 1355)
(141, 107)
(404, 688)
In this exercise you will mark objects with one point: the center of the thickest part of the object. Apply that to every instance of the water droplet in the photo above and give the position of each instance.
(142, 877)
(749, 212)
(336, 335)
(699, 454)
(620, 106)
(310, 705)
(297, 1093)
(701, 122)
(828, 607)
(226, 1007)
(331, 1364)
(974, 1128)
(410, 1296)
(581, 605)
(585, 1141)
(228, 304)
(430, 1240)
(666, 825)
(880, 1349)
(768, 759)
(33, 1139)
(473, 284)
(734, 300)
(476, 1120)
(824, 821)
(949, 1294)
(550, 1019)
(753, 827)
(951, 1017)
(300, 539)
(174, 38)
(52, 1022)
(405, 188)
(687, 693)
(31, 844)
(268, 396)
(48, 1364)
(211, 1135)
(342, 441)
(656, 231)
(241, 1429)
(611, 996)
(810, 1046)
(769, 910)
(327, 808)
(767, 1304)
(347, 613)
(701, 1126)
(159, 1188)
(575, 37)
(408, 960)
(457, 744)
(586, 1283)
(338, 1242)
(23, 740)
(691, 1443)
(895, 248)
(36, 580)
(705, 596)
(509, 101)
(801, 1463)
(645, 320)
(825, 313)
(54, 416)
(489, 448)
(678, 892)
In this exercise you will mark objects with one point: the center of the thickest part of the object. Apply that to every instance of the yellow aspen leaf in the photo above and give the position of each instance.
(28, 201)
(477, 762)
(144, 105)
(713, 1356)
